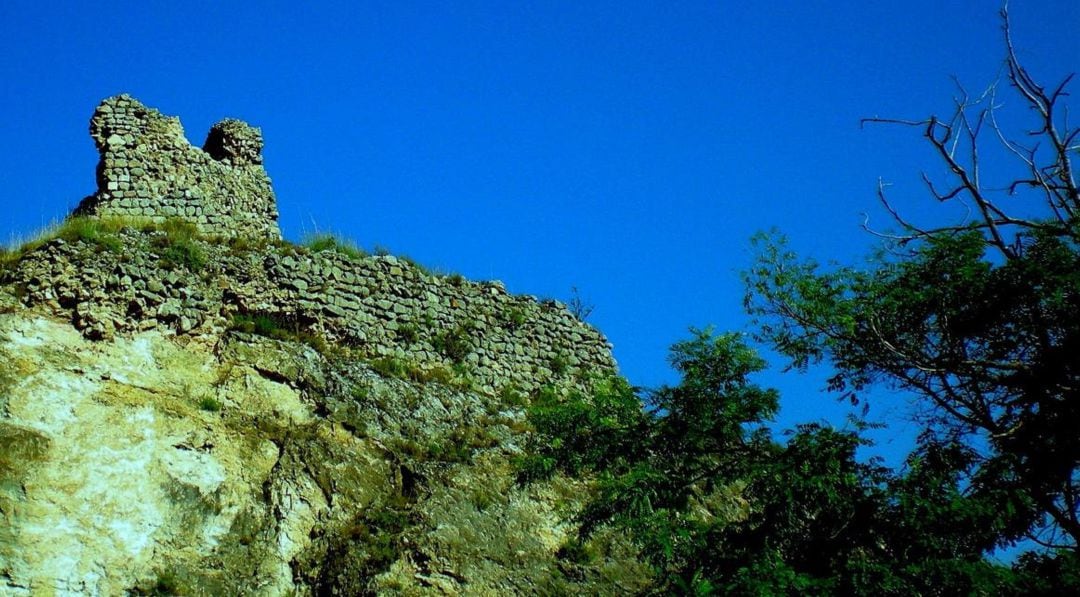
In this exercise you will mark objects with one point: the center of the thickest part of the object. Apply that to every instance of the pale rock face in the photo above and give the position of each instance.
(150, 443)
(125, 470)
(240, 465)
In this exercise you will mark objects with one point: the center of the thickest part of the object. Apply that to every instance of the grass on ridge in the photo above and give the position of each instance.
(178, 243)
(98, 231)
(178, 246)
(325, 241)
(320, 242)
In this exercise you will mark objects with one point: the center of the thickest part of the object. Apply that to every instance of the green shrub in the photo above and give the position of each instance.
(179, 246)
(267, 326)
(456, 279)
(239, 245)
(510, 395)
(318, 243)
(183, 254)
(18, 245)
(210, 404)
(408, 333)
(514, 318)
(319, 343)
(8, 258)
(259, 323)
(243, 322)
(392, 367)
(535, 467)
(282, 327)
(360, 393)
(100, 232)
(461, 369)
(438, 272)
(221, 378)
(165, 585)
(559, 364)
(363, 549)
(321, 242)
(454, 344)
(575, 551)
(454, 448)
(398, 368)
(473, 437)
(440, 375)
(583, 431)
(177, 230)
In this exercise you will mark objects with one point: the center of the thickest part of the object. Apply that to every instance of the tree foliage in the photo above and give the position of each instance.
(978, 319)
(691, 473)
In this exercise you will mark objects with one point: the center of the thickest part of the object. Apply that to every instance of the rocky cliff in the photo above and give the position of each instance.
(189, 405)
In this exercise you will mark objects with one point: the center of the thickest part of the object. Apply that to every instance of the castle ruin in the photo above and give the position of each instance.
(148, 169)
(379, 306)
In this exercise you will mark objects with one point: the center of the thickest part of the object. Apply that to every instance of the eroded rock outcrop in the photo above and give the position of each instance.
(149, 465)
(189, 405)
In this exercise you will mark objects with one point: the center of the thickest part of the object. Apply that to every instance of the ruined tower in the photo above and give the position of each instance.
(148, 169)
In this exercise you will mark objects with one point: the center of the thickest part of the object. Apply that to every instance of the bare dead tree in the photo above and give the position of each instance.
(579, 307)
(1043, 198)
(1045, 153)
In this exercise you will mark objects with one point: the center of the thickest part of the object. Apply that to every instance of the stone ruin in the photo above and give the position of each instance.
(148, 169)
(379, 306)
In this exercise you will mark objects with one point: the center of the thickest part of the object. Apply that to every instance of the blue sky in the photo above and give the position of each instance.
(627, 148)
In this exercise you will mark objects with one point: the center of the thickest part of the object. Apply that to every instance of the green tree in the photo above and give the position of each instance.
(979, 319)
(668, 463)
(718, 506)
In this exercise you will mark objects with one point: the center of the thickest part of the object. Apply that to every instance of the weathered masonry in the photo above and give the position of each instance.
(381, 307)
(148, 169)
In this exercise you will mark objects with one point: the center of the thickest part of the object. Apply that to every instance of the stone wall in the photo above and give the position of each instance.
(148, 169)
(381, 307)
(378, 306)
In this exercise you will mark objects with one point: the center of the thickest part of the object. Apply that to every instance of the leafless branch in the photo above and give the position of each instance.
(956, 141)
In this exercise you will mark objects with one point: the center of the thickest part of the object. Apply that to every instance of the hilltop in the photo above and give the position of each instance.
(191, 405)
